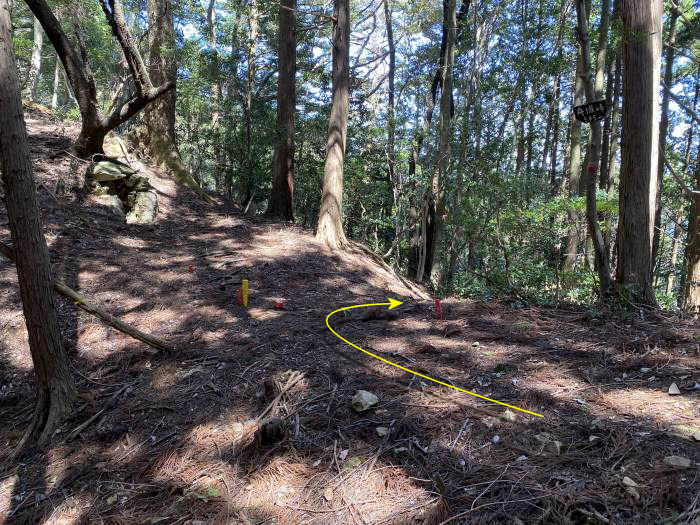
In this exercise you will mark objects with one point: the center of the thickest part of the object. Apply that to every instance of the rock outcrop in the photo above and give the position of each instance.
(119, 187)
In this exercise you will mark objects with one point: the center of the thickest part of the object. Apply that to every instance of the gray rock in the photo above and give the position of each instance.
(137, 183)
(143, 207)
(382, 431)
(509, 415)
(673, 390)
(678, 462)
(364, 400)
(106, 170)
(113, 203)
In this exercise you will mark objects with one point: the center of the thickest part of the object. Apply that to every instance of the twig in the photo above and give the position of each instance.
(112, 401)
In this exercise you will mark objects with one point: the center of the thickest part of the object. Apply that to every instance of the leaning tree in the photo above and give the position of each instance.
(95, 125)
(55, 391)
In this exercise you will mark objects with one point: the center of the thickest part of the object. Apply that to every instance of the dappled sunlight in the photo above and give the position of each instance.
(7, 486)
(654, 405)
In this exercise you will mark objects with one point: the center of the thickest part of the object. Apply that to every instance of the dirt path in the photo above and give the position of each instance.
(180, 444)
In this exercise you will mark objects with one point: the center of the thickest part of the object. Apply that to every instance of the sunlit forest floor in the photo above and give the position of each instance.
(178, 438)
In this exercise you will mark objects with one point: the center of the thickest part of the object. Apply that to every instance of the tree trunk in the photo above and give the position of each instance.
(663, 129)
(35, 64)
(160, 116)
(55, 391)
(250, 85)
(640, 134)
(691, 300)
(330, 220)
(282, 195)
(439, 179)
(593, 92)
(56, 83)
(414, 211)
(394, 177)
(215, 85)
(573, 239)
(675, 242)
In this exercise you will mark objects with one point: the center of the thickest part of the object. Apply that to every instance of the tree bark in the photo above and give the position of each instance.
(35, 64)
(640, 134)
(330, 220)
(663, 130)
(281, 202)
(55, 391)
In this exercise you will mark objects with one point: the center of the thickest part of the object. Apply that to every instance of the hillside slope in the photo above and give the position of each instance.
(178, 440)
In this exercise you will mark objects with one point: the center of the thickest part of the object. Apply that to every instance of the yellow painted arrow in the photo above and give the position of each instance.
(393, 303)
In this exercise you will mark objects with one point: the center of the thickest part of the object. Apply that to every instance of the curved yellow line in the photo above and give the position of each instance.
(408, 369)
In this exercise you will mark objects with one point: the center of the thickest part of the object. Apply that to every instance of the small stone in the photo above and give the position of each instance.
(678, 462)
(673, 390)
(328, 494)
(629, 482)
(521, 458)
(462, 462)
(382, 431)
(496, 439)
(509, 415)
(364, 400)
(644, 370)
(112, 499)
(696, 436)
(476, 344)
(632, 492)
(343, 454)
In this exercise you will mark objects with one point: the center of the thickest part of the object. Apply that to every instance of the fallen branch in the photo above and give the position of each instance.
(82, 303)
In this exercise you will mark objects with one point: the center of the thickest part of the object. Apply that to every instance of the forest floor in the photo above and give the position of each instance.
(177, 440)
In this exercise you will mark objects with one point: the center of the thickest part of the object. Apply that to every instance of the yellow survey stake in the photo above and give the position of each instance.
(393, 303)
(244, 292)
